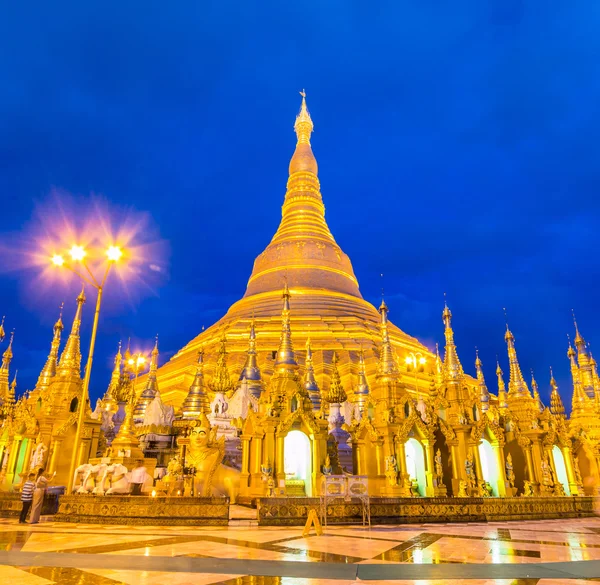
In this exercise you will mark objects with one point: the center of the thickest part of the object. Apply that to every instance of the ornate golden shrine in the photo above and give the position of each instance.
(367, 398)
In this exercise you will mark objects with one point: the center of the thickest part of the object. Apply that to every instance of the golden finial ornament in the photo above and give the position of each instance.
(286, 358)
(336, 394)
(221, 381)
(310, 382)
(453, 369)
(387, 362)
(70, 360)
(517, 387)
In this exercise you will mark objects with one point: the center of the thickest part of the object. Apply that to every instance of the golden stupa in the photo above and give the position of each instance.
(327, 305)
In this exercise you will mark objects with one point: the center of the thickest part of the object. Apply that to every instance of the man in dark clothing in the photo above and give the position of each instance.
(27, 496)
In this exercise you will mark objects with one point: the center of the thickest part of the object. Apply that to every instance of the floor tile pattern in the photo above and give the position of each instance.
(526, 544)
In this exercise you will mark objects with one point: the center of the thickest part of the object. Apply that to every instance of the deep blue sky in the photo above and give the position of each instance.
(457, 144)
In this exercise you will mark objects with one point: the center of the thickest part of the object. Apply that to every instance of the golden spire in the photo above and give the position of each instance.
(556, 404)
(151, 389)
(579, 403)
(221, 381)
(536, 393)
(310, 382)
(517, 387)
(4, 370)
(336, 394)
(286, 359)
(387, 363)
(453, 369)
(126, 357)
(583, 360)
(251, 371)
(303, 247)
(115, 378)
(362, 389)
(196, 402)
(49, 370)
(8, 405)
(70, 360)
(502, 403)
(595, 378)
(484, 395)
(7, 356)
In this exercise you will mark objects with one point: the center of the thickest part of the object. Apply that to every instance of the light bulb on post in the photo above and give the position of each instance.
(77, 253)
(58, 260)
(114, 253)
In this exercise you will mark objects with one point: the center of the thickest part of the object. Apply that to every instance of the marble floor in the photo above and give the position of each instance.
(548, 552)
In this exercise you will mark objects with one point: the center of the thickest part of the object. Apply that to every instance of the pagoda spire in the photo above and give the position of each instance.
(484, 395)
(303, 248)
(4, 369)
(70, 360)
(336, 394)
(7, 356)
(362, 389)
(557, 407)
(286, 359)
(517, 387)
(387, 363)
(579, 403)
(583, 360)
(49, 370)
(10, 400)
(251, 372)
(536, 393)
(221, 381)
(502, 400)
(453, 369)
(310, 382)
(196, 402)
(150, 390)
(115, 378)
(595, 378)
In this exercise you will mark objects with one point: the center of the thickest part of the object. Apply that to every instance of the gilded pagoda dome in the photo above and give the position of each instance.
(325, 300)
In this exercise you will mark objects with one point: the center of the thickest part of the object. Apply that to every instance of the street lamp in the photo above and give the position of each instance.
(415, 362)
(77, 255)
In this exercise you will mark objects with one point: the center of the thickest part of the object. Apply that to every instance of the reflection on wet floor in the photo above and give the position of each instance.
(427, 545)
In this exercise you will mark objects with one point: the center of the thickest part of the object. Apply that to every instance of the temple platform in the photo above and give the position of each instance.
(143, 510)
(294, 511)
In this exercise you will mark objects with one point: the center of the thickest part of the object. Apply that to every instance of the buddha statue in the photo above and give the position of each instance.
(204, 455)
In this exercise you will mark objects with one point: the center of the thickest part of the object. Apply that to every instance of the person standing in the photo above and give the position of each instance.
(27, 496)
(38, 496)
(138, 477)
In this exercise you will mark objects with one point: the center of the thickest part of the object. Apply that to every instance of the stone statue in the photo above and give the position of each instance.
(97, 410)
(510, 474)
(327, 469)
(391, 470)
(158, 414)
(470, 469)
(577, 471)
(439, 470)
(37, 457)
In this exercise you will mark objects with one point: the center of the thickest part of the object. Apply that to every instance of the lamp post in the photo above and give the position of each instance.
(415, 362)
(78, 254)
